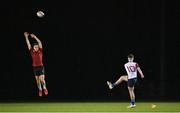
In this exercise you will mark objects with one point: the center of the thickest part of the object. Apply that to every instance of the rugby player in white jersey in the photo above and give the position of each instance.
(131, 78)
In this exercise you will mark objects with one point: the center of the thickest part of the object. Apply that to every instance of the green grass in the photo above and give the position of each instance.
(89, 107)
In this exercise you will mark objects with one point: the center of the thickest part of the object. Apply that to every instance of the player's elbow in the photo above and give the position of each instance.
(138, 69)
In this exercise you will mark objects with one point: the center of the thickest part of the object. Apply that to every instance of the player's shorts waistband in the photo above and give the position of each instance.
(132, 78)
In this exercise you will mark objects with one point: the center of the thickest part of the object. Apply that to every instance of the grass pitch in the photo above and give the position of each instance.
(90, 107)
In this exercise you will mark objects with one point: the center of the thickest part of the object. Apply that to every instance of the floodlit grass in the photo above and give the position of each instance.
(89, 107)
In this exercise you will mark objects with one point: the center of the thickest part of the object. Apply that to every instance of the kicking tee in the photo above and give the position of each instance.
(131, 69)
(36, 57)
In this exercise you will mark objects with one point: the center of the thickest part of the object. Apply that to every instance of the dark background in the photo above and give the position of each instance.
(86, 43)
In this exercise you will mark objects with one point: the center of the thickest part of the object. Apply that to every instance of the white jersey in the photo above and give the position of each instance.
(131, 69)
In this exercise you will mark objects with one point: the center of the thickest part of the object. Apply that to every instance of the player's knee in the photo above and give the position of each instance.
(124, 78)
(42, 79)
(38, 81)
(130, 89)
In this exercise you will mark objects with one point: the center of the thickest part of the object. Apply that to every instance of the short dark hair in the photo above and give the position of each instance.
(35, 44)
(130, 55)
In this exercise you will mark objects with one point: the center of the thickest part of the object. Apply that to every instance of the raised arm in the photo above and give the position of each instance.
(140, 72)
(37, 39)
(26, 34)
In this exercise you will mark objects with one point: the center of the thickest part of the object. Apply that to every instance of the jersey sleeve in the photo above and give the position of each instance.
(137, 65)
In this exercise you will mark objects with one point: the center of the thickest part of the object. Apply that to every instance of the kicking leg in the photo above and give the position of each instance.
(39, 85)
(121, 79)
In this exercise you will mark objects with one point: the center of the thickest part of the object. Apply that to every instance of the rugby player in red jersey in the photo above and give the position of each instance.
(37, 62)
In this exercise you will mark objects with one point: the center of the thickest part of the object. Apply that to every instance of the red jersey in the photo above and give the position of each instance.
(36, 57)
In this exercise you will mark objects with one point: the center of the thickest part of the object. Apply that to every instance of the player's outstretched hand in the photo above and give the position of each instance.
(32, 35)
(26, 34)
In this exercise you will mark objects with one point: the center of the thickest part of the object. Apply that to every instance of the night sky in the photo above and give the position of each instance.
(86, 43)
